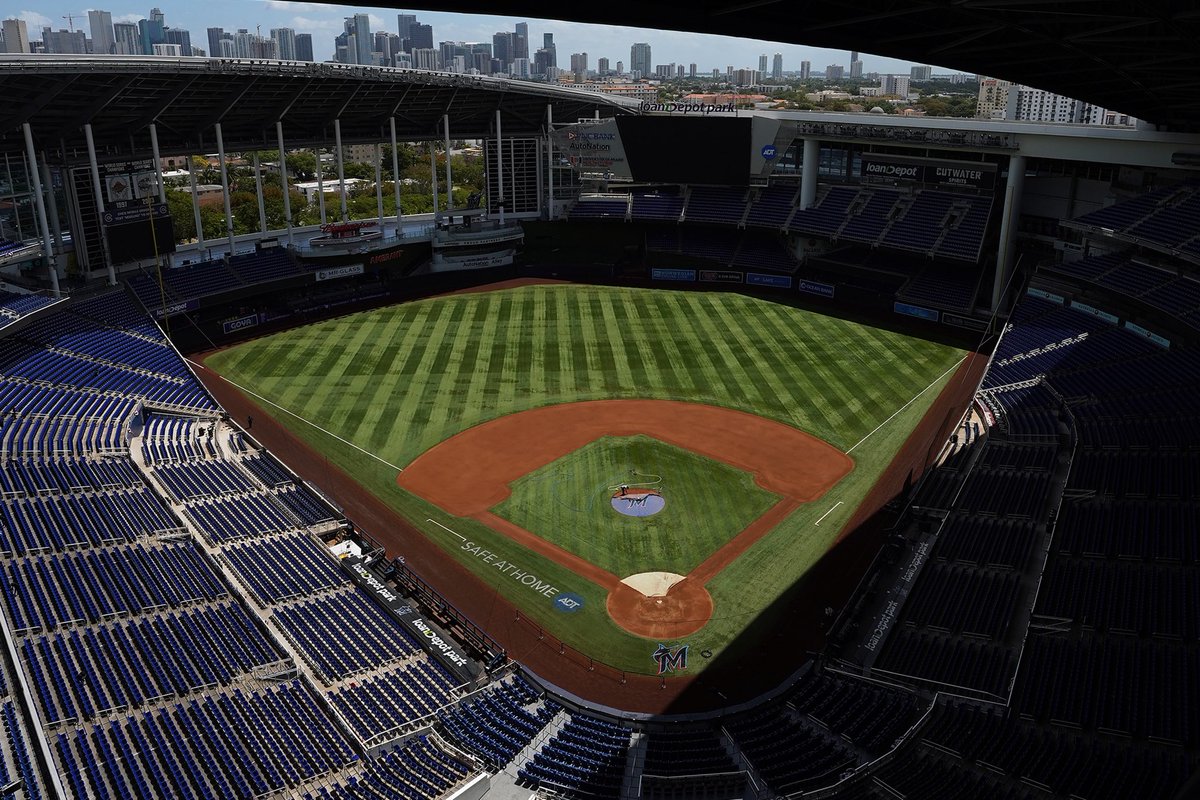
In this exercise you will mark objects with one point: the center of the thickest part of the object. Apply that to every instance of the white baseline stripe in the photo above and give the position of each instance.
(297, 416)
(443, 527)
(909, 403)
(830, 511)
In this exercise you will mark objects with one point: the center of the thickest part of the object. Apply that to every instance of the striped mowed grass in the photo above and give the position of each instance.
(395, 381)
(569, 502)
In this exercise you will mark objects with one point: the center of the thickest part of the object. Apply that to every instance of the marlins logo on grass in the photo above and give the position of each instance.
(671, 660)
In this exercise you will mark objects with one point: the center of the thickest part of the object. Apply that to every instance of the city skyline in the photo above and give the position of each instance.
(325, 22)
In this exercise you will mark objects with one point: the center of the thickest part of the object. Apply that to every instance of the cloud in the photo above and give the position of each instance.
(310, 24)
(35, 20)
(291, 5)
(128, 18)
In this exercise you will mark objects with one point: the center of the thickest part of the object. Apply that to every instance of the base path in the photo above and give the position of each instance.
(471, 471)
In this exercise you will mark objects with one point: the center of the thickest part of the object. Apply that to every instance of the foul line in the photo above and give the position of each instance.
(830, 511)
(909, 403)
(443, 527)
(297, 416)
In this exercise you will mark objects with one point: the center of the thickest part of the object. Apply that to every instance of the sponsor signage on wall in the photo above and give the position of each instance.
(1053, 298)
(660, 274)
(916, 311)
(813, 287)
(331, 273)
(1149, 335)
(970, 323)
(775, 281)
(175, 308)
(720, 276)
(241, 323)
(1111, 319)
(889, 169)
(594, 147)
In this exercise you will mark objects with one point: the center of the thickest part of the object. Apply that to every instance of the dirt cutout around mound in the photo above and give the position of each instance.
(471, 471)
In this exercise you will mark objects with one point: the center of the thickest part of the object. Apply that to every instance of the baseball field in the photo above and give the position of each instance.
(628, 467)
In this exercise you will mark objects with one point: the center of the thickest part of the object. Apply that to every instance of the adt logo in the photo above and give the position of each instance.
(568, 603)
(768, 151)
(671, 661)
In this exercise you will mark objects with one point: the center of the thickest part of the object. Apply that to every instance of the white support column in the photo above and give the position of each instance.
(1006, 254)
(287, 200)
(52, 210)
(162, 190)
(549, 161)
(258, 191)
(512, 185)
(320, 186)
(499, 167)
(195, 204)
(379, 185)
(99, 192)
(40, 204)
(337, 144)
(449, 177)
(396, 175)
(809, 169)
(225, 187)
(433, 178)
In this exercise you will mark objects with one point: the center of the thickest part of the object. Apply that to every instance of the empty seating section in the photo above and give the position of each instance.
(131, 662)
(712, 244)
(417, 770)
(267, 469)
(665, 207)
(378, 705)
(118, 310)
(758, 250)
(959, 661)
(81, 337)
(1164, 288)
(721, 204)
(343, 633)
(46, 591)
(16, 754)
(496, 723)
(36, 476)
(59, 522)
(921, 224)
(186, 480)
(987, 541)
(827, 216)
(264, 265)
(225, 519)
(1165, 217)
(689, 761)
(868, 220)
(185, 282)
(282, 567)
(791, 753)
(870, 717)
(943, 286)
(964, 239)
(13, 306)
(304, 506)
(231, 744)
(166, 437)
(607, 207)
(773, 205)
(586, 755)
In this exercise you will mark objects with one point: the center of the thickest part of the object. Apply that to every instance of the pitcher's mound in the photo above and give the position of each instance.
(683, 608)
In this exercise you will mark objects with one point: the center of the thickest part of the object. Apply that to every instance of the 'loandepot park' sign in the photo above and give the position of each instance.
(880, 167)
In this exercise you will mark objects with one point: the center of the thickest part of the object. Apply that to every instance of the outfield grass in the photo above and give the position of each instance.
(396, 381)
(568, 502)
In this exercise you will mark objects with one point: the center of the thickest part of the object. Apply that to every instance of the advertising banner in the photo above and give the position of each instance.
(1111, 319)
(241, 323)
(915, 311)
(813, 287)
(960, 321)
(1053, 298)
(720, 276)
(673, 274)
(331, 273)
(1149, 335)
(594, 147)
(175, 308)
(775, 281)
(889, 169)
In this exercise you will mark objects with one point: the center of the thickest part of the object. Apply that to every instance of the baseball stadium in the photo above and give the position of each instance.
(703, 453)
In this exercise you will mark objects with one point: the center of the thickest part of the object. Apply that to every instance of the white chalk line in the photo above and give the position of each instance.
(830, 511)
(297, 416)
(443, 527)
(909, 403)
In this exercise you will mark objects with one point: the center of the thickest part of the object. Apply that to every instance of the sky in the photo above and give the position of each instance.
(324, 22)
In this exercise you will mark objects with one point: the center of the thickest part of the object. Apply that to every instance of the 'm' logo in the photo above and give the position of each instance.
(670, 661)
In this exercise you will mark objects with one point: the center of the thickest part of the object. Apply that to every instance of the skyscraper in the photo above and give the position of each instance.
(16, 36)
(404, 23)
(502, 48)
(304, 50)
(579, 65)
(777, 67)
(101, 26)
(602, 66)
(179, 36)
(762, 64)
(921, 73)
(420, 37)
(150, 32)
(639, 59)
(856, 69)
(285, 43)
(72, 42)
(853, 56)
(805, 70)
(520, 46)
(215, 35)
(125, 39)
(362, 33)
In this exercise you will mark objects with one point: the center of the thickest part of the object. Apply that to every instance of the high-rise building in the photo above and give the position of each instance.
(805, 70)
(992, 101)
(150, 32)
(602, 66)
(894, 85)
(551, 50)
(777, 67)
(304, 47)
(692, 70)
(425, 58)
(620, 67)
(125, 39)
(921, 73)
(420, 36)
(168, 49)
(1038, 105)
(853, 56)
(856, 69)
(579, 65)
(215, 35)
(64, 41)
(101, 26)
(404, 23)
(362, 39)
(285, 43)
(835, 72)
(520, 43)
(520, 67)
(639, 59)
(502, 48)
(178, 36)
(16, 36)
(762, 63)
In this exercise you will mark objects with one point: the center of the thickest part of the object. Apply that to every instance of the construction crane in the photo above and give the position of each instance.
(70, 18)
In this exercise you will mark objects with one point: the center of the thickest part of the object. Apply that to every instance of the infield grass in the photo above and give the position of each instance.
(568, 502)
(396, 381)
